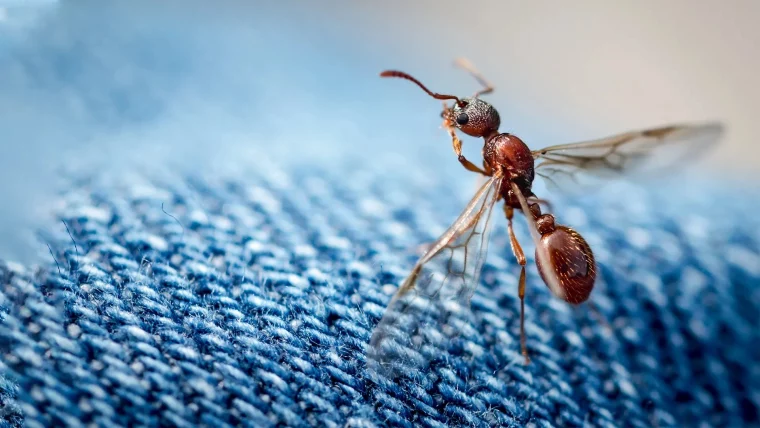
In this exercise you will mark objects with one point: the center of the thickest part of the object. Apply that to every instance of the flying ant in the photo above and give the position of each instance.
(426, 306)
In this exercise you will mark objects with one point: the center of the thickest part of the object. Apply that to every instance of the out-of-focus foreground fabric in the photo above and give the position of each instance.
(188, 301)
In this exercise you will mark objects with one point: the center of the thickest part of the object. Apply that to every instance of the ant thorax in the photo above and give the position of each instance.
(510, 154)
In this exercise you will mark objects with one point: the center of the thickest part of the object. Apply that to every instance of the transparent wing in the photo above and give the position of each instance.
(432, 305)
(549, 275)
(576, 166)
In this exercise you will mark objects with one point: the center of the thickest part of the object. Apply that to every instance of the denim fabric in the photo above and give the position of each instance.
(184, 301)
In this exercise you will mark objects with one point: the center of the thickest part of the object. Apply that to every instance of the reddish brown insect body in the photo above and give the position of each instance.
(571, 257)
(564, 259)
(510, 153)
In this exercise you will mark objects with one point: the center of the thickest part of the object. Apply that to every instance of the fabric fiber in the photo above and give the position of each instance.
(187, 302)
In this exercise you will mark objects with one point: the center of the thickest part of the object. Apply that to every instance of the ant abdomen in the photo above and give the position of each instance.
(571, 258)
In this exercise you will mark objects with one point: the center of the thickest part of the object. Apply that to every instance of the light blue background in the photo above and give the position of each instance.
(136, 86)
(126, 85)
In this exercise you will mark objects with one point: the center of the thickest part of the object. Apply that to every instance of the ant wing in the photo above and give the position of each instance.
(433, 303)
(549, 275)
(574, 167)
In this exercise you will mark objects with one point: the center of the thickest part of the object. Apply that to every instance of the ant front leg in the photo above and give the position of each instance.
(457, 143)
(520, 256)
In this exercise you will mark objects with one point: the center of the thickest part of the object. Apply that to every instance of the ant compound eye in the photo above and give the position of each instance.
(462, 119)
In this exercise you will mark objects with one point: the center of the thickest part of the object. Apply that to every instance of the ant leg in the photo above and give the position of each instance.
(457, 143)
(446, 115)
(487, 168)
(467, 65)
(520, 256)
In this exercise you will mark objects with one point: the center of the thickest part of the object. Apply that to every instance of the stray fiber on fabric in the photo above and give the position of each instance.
(250, 302)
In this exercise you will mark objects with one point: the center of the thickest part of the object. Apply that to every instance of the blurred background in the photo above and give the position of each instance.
(88, 85)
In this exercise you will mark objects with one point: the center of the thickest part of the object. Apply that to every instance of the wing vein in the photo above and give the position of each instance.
(432, 304)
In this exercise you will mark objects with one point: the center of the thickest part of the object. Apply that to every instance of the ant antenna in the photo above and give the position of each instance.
(402, 75)
(465, 64)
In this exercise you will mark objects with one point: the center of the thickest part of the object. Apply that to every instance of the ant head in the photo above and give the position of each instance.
(473, 116)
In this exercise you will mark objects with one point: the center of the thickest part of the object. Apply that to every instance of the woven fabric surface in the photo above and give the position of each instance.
(250, 302)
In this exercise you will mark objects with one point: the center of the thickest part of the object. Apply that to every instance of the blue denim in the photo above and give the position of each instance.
(184, 301)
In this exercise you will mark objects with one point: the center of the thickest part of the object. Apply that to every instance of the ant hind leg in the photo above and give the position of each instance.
(520, 256)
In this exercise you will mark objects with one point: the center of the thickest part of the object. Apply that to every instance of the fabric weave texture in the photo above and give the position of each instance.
(250, 302)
